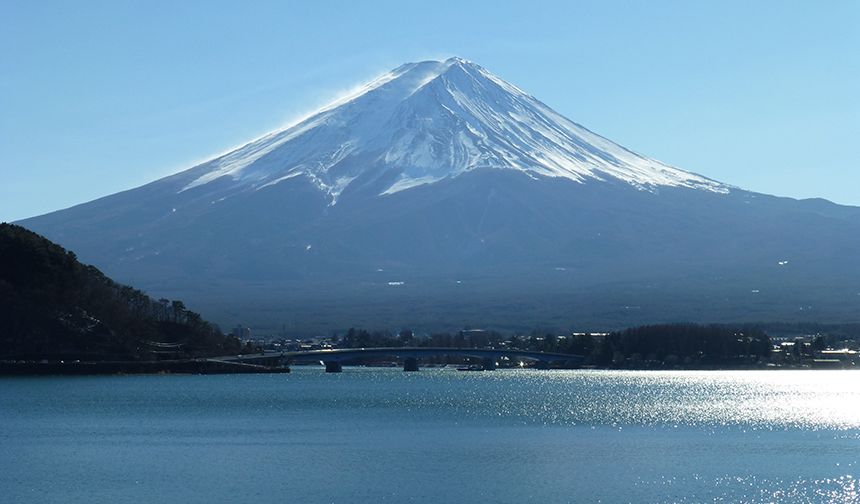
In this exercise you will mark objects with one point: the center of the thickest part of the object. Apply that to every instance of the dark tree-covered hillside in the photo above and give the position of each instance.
(54, 307)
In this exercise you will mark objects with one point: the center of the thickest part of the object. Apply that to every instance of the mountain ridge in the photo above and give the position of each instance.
(426, 121)
(378, 210)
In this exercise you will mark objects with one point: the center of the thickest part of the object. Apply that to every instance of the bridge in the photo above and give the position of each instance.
(334, 358)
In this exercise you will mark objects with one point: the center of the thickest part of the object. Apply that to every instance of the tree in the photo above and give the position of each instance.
(177, 308)
(819, 343)
(51, 303)
(406, 337)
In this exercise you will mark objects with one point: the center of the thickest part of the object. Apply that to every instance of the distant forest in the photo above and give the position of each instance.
(54, 307)
(667, 345)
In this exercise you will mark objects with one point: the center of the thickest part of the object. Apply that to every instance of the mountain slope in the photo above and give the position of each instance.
(425, 122)
(52, 306)
(439, 195)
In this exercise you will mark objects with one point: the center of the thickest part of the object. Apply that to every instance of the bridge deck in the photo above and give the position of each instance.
(346, 354)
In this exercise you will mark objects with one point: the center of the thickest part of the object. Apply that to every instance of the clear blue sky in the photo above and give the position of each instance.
(97, 97)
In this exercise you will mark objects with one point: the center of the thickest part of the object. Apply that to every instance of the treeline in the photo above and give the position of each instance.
(683, 345)
(52, 306)
(540, 341)
(669, 345)
(361, 338)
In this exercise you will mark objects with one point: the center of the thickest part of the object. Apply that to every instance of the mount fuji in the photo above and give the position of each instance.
(440, 196)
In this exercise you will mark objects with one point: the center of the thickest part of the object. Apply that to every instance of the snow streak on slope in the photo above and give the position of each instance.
(427, 121)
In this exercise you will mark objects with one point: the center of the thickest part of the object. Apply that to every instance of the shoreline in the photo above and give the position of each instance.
(95, 368)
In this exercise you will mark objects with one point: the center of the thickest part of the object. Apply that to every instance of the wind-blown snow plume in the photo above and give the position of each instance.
(424, 122)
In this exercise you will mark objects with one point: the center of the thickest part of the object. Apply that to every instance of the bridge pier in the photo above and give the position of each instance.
(333, 367)
(410, 364)
(488, 364)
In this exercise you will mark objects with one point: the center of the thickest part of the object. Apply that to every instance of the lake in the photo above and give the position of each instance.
(438, 435)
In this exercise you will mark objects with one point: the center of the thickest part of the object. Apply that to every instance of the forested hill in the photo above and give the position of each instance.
(54, 307)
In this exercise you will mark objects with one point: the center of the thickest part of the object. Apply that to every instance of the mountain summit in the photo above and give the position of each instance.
(428, 121)
(439, 196)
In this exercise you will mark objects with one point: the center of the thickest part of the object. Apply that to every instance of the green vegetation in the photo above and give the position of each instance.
(54, 307)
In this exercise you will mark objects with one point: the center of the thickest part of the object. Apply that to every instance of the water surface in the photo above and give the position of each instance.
(381, 435)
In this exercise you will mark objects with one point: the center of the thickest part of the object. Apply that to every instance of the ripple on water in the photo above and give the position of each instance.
(748, 399)
(572, 436)
(752, 489)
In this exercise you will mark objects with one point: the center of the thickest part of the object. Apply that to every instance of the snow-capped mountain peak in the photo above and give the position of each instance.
(432, 120)
(438, 195)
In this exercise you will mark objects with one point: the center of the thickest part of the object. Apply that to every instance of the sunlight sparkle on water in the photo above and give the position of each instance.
(748, 399)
